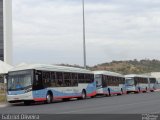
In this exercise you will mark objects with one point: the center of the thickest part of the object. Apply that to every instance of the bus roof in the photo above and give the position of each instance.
(46, 67)
(136, 75)
(108, 73)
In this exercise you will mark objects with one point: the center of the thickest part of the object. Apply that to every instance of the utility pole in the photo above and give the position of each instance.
(84, 37)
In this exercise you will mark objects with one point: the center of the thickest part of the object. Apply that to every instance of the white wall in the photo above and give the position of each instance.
(156, 75)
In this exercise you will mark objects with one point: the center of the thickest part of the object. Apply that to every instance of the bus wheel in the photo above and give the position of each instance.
(109, 92)
(146, 89)
(153, 89)
(49, 98)
(121, 91)
(93, 96)
(139, 90)
(84, 94)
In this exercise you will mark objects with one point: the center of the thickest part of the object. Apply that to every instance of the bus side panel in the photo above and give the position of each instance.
(91, 89)
(39, 95)
(101, 90)
(114, 89)
(152, 86)
(143, 87)
(132, 88)
(58, 93)
(66, 92)
(73, 92)
(105, 90)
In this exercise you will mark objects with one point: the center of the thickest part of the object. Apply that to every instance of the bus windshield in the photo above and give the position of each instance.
(130, 82)
(19, 81)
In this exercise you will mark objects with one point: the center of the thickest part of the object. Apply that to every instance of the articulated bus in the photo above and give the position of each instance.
(152, 84)
(109, 83)
(39, 82)
(137, 83)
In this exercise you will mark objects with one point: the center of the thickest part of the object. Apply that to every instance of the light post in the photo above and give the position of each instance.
(84, 38)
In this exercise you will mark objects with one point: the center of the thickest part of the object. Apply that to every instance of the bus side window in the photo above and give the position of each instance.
(91, 78)
(120, 80)
(67, 79)
(104, 81)
(107, 80)
(53, 79)
(135, 82)
(123, 80)
(117, 81)
(59, 79)
(87, 78)
(46, 79)
(74, 77)
(81, 78)
(36, 79)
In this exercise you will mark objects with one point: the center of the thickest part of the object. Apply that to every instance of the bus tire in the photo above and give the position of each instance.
(139, 90)
(49, 97)
(121, 91)
(152, 90)
(146, 89)
(109, 92)
(93, 96)
(83, 95)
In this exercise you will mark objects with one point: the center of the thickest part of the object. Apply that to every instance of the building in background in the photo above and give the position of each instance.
(156, 75)
(6, 31)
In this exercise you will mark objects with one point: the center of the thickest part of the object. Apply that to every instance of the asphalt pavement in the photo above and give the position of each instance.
(124, 104)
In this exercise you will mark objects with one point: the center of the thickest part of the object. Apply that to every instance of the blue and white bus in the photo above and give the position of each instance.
(152, 84)
(136, 83)
(109, 83)
(39, 82)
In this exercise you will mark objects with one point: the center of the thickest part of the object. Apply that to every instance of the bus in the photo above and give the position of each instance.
(40, 82)
(136, 83)
(152, 83)
(109, 83)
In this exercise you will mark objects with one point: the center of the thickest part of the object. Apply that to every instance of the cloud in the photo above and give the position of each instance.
(50, 31)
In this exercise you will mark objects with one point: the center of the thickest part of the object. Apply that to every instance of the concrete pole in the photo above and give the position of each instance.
(84, 37)
(7, 30)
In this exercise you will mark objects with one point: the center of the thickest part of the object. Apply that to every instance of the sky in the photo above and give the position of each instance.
(51, 31)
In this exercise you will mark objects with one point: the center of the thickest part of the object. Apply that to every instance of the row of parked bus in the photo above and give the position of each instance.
(39, 82)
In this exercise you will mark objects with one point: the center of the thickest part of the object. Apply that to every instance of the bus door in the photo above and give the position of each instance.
(37, 82)
(98, 79)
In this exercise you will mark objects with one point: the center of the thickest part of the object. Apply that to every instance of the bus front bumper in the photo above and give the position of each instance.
(20, 97)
